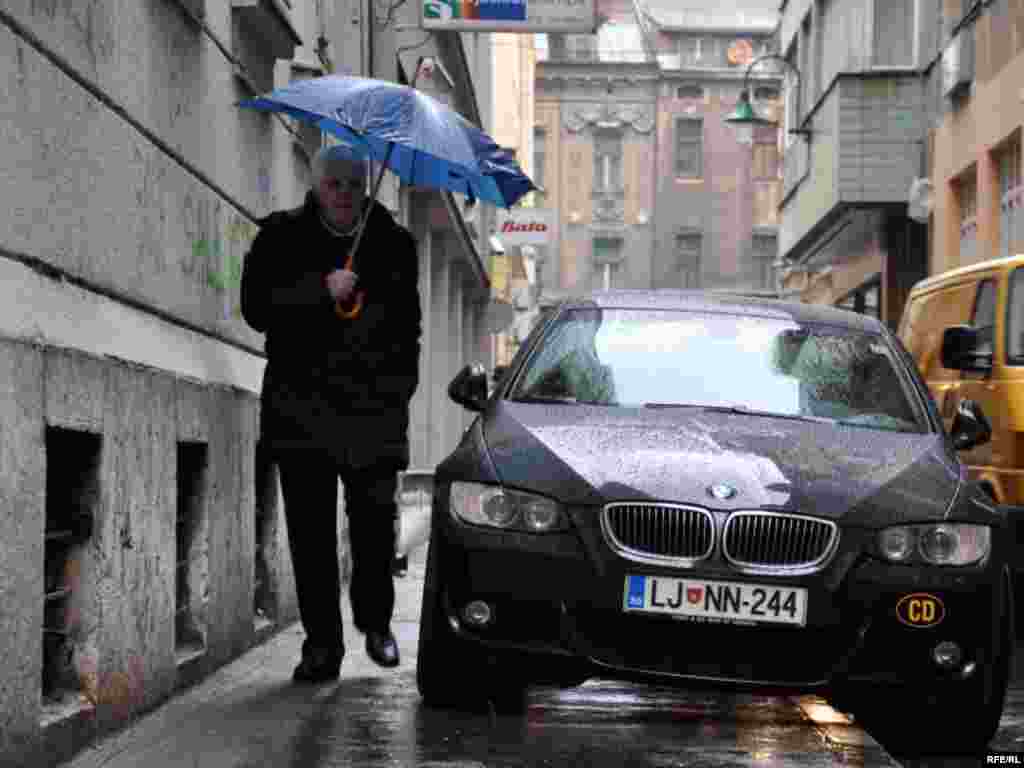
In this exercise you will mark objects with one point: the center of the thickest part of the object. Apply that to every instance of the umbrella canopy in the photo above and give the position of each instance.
(422, 141)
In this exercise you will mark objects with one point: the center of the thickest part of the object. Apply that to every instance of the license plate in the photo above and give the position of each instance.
(716, 601)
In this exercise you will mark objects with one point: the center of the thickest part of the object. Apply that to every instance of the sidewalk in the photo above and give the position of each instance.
(249, 713)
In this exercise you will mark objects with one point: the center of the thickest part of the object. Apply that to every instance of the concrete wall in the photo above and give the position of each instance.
(882, 123)
(814, 193)
(121, 648)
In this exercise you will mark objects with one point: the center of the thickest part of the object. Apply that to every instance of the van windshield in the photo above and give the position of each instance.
(772, 366)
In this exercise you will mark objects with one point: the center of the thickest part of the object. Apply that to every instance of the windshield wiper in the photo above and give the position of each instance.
(545, 399)
(744, 411)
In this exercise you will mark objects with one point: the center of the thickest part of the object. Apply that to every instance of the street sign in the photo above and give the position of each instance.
(573, 16)
(524, 226)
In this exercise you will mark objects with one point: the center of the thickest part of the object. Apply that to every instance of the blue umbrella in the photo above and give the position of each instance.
(422, 141)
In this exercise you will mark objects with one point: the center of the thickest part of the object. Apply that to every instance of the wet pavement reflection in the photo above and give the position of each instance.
(250, 715)
(382, 722)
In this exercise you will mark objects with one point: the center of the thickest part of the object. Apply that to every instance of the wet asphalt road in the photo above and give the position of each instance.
(250, 715)
(598, 724)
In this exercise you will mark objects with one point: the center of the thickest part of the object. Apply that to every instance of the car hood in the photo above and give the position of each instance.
(584, 455)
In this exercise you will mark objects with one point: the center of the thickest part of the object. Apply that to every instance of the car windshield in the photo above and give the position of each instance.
(685, 359)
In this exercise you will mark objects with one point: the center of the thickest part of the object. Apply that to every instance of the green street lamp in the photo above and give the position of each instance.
(745, 117)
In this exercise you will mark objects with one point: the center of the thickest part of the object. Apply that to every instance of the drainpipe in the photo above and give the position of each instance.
(370, 18)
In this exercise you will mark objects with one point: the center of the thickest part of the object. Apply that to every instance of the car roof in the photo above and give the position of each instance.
(941, 279)
(713, 301)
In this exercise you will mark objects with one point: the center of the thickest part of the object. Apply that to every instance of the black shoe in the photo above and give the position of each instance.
(382, 648)
(317, 666)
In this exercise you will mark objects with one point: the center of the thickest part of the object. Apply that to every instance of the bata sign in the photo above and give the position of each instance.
(524, 226)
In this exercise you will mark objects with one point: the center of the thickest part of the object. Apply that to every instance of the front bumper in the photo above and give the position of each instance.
(556, 601)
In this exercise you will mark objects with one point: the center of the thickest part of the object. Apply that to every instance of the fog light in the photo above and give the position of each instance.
(947, 654)
(477, 613)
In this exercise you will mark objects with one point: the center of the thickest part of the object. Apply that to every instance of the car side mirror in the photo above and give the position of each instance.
(960, 350)
(469, 387)
(971, 427)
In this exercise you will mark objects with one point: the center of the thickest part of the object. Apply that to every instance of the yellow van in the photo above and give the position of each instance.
(982, 359)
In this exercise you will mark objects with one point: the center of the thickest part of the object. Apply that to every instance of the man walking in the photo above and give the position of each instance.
(342, 350)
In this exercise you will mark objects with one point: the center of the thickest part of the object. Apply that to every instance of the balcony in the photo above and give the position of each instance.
(864, 148)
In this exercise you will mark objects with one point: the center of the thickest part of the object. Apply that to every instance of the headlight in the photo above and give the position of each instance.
(897, 544)
(936, 544)
(498, 507)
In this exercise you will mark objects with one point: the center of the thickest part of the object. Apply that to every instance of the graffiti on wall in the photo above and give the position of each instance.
(216, 251)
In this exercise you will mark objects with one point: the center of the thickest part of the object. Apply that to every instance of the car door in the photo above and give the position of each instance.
(980, 386)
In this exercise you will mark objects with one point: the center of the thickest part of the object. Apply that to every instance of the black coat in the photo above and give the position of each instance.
(331, 385)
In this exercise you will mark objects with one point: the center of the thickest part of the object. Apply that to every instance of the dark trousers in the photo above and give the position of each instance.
(310, 489)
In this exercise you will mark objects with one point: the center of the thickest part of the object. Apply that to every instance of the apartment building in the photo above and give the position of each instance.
(856, 122)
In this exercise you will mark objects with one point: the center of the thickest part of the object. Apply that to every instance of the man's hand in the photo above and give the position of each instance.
(341, 284)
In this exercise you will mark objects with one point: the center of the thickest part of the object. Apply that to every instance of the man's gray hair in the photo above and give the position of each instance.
(337, 161)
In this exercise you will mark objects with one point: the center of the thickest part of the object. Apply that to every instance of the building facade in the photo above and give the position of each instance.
(595, 133)
(649, 185)
(857, 115)
(716, 216)
(142, 538)
(975, 144)
(514, 263)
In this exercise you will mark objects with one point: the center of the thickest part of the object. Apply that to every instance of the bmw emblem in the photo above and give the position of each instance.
(722, 491)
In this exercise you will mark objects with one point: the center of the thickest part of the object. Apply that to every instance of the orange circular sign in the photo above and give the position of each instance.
(740, 52)
(920, 610)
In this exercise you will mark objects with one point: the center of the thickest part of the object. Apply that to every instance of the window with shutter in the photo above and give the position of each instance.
(967, 200)
(689, 148)
(764, 251)
(540, 137)
(688, 258)
(1011, 195)
(608, 162)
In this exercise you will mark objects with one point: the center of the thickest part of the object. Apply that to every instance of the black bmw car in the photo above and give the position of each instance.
(707, 490)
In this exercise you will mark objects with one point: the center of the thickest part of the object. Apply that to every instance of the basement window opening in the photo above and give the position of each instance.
(72, 499)
(265, 530)
(191, 564)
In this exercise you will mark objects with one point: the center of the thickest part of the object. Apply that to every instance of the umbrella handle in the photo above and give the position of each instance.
(355, 307)
(351, 309)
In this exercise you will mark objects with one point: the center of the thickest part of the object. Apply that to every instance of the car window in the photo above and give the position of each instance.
(1015, 324)
(632, 358)
(984, 316)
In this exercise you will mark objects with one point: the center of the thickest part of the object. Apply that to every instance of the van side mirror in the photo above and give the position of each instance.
(469, 387)
(971, 427)
(960, 344)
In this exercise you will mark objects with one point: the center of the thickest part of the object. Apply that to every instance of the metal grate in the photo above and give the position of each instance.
(663, 533)
(775, 541)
